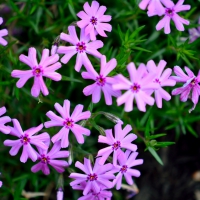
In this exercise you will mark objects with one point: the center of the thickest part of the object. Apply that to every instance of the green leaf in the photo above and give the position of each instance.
(156, 136)
(155, 155)
(65, 78)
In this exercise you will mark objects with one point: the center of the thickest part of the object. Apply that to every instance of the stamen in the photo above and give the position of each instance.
(92, 177)
(44, 159)
(81, 47)
(135, 87)
(169, 12)
(100, 80)
(25, 139)
(116, 145)
(93, 20)
(37, 71)
(123, 169)
(68, 123)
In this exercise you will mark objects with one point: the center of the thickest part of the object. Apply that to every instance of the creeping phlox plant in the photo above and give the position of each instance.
(144, 85)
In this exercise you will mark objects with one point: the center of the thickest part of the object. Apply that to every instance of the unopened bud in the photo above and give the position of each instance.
(112, 118)
(60, 194)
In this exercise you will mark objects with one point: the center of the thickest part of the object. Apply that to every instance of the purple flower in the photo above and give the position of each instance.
(94, 19)
(25, 140)
(155, 7)
(95, 178)
(49, 158)
(171, 13)
(68, 123)
(46, 67)
(162, 79)
(191, 84)
(102, 82)
(140, 82)
(80, 47)
(103, 194)
(121, 140)
(3, 32)
(3, 120)
(126, 161)
(194, 32)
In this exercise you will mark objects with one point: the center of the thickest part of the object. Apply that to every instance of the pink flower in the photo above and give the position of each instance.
(68, 123)
(155, 7)
(191, 84)
(162, 79)
(25, 140)
(95, 178)
(3, 120)
(103, 194)
(121, 140)
(94, 19)
(126, 161)
(140, 82)
(194, 32)
(3, 32)
(1, 183)
(102, 82)
(80, 47)
(49, 158)
(46, 67)
(171, 13)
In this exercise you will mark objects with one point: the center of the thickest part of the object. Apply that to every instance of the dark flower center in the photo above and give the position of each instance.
(44, 159)
(93, 20)
(135, 87)
(157, 81)
(37, 71)
(68, 123)
(123, 169)
(100, 80)
(92, 177)
(193, 82)
(116, 145)
(80, 47)
(25, 139)
(169, 12)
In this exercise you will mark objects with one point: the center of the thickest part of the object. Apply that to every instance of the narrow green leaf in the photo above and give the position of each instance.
(65, 78)
(156, 136)
(155, 155)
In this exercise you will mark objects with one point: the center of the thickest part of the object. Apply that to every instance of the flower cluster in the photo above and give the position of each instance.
(143, 82)
(147, 79)
(27, 139)
(167, 9)
(96, 181)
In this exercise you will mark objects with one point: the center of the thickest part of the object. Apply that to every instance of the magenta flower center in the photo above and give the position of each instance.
(92, 177)
(169, 12)
(25, 139)
(44, 159)
(68, 123)
(157, 81)
(93, 20)
(123, 169)
(193, 82)
(81, 47)
(135, 87)
(37, 71)
(100, 80)
(116, 145)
